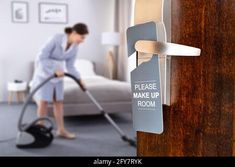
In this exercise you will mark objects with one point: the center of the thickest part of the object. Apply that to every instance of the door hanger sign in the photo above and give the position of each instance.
(145, 83)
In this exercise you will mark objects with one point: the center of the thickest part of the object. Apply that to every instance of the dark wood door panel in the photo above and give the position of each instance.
(200, 120)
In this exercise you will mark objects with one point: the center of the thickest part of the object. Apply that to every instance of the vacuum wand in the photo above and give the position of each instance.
(106, 115)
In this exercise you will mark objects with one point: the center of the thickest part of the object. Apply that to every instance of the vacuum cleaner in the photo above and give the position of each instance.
(36, 135)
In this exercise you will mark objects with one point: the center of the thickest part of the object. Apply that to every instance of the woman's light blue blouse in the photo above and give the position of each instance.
(53, 56)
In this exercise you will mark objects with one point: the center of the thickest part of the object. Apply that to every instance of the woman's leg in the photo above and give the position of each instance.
(58, 113)
(42, 109)
(59, 117)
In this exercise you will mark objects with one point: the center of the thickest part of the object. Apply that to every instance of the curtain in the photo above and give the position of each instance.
(124, 17)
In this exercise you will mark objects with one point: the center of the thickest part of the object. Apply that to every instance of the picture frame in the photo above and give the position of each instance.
(20, 12)
(53, 13)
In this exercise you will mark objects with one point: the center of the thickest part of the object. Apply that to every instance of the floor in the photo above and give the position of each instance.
(95, 137)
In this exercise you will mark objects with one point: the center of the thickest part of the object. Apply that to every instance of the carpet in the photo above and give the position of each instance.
(95, 136)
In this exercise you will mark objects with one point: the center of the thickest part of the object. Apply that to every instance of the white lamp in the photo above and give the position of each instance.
(111, 39)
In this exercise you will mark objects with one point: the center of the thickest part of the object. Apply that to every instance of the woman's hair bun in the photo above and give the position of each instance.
(68, 30)
(79, 28)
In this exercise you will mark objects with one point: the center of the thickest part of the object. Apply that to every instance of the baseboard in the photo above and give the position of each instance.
(14, 103)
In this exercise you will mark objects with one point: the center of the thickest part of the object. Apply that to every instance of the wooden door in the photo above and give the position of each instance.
(200, 120)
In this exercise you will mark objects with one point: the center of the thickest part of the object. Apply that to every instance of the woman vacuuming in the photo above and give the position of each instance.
(59, 53)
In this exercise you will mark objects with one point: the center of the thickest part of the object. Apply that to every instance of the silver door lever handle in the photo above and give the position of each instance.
(163, 48)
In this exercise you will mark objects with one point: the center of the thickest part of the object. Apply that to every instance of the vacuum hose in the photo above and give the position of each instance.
(77, 81)
(23, 127)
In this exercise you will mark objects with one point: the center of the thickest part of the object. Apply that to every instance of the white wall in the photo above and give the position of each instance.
(19, 43)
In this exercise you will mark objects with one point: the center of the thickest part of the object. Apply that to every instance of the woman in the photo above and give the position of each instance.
(59, 52)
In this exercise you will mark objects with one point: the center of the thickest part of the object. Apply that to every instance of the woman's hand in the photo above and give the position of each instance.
(59, 73)
(83, 84)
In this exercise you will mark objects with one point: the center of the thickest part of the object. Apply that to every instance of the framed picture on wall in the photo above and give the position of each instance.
(53, 13)
(20, 12)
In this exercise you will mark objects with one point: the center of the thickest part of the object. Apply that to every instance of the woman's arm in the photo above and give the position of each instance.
(43, 60)
(71, 68)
